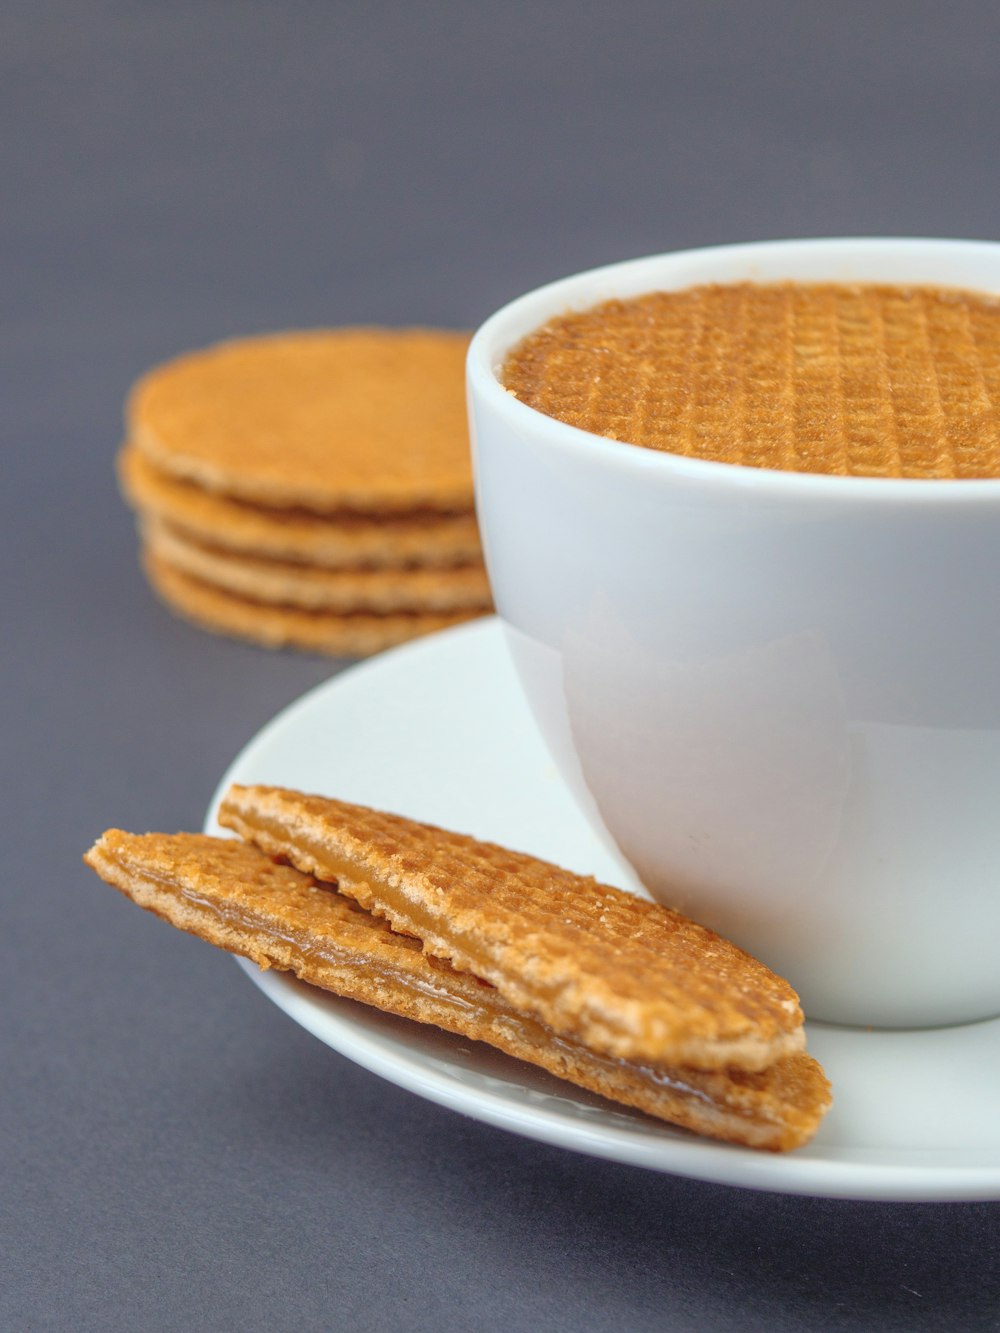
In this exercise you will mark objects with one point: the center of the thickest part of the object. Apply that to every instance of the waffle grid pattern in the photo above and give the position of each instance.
(587, 958)
(371, 420)
(863, 380)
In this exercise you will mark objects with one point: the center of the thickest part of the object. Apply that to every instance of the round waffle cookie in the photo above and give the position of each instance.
(364, 419)
(356, 634)
(856, 380)
(333, 541)
(626, 977)
(345, 591)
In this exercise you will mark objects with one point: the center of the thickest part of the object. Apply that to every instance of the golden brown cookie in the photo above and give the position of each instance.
(235, 897)
(847, 379)
(338, 540)
(372, 420)
(356, 634)
(378, 591)
(627, 978)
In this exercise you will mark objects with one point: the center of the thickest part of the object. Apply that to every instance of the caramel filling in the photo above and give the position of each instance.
(380, 895)
(306, 954)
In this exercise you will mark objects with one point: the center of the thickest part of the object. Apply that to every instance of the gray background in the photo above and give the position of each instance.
(175, 1152)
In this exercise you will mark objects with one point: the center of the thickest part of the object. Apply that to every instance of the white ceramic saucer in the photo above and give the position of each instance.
(438, 730)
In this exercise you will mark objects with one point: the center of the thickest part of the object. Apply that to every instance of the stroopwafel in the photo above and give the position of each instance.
(345, 634)
(361, 419)
(346, 539)
(308, 588)
(235, 897)
(627, 978)
(860, 380)
(309, 489)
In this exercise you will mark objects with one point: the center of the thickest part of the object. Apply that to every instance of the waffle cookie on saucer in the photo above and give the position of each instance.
(627, 977)
(238, 897)
(309, 489)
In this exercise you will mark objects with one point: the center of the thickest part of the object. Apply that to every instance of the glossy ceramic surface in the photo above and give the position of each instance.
(439, 731)
(777, 691)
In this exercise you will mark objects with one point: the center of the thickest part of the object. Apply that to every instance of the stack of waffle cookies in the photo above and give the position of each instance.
(309, 489)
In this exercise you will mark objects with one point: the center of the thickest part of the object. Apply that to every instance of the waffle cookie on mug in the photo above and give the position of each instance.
(850, 379)
(234, 896)
(309, 489)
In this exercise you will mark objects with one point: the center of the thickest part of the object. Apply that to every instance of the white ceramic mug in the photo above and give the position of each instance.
(779, 692)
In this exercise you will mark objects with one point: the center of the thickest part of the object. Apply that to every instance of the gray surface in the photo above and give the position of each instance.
(175, 1153)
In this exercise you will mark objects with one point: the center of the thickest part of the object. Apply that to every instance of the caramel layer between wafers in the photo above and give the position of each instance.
(625, 977)
(339, 634)
(341, 540)
(344, 591)
(235, 897)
